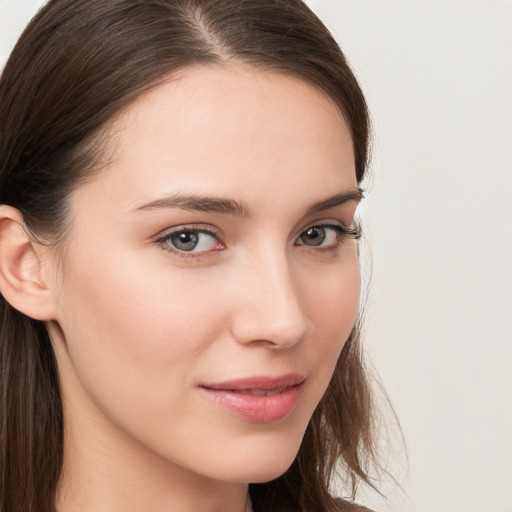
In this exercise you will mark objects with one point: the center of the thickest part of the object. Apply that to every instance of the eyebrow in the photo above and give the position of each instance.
(209, 204)
(354, 195)
(200, 203)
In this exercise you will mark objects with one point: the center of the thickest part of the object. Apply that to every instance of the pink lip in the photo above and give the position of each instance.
(281, 398)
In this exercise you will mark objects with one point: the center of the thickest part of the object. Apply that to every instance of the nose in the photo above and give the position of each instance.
(267, 308)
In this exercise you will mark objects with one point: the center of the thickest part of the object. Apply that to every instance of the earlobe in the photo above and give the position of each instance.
(22, 280)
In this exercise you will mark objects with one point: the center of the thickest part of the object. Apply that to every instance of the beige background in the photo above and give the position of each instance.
(438, 77)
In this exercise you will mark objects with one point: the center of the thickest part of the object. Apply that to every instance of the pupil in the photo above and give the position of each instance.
(314, 236)
(185, 241)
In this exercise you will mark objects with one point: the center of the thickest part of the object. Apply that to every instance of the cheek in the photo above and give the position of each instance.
(133, 332)
(332, 300)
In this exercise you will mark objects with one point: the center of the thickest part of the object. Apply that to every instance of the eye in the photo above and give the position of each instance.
(318, 236)
(326, 235)
(190, 240)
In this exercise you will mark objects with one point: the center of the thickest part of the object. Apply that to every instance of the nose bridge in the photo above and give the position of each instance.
(269, 307)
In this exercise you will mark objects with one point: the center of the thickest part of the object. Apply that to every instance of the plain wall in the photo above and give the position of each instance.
(437, 75)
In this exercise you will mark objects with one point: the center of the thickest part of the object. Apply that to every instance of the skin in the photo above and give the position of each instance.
(137, 328)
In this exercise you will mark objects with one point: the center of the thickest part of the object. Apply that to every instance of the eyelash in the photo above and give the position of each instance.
(342, 233)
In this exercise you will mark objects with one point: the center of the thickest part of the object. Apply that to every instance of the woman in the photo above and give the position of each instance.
(179, 275)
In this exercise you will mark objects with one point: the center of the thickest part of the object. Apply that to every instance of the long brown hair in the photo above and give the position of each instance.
(76, 66)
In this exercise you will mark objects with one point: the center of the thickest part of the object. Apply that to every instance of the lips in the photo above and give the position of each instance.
(258, 399)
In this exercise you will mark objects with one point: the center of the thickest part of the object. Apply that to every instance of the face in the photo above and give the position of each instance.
(210, 279)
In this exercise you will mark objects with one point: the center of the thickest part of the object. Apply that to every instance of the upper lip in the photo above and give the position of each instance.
(258, 382)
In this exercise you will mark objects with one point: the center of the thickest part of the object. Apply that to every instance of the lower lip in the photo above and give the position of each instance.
(257, 409)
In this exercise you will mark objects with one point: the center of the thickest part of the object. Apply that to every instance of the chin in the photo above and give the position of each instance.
(260, 475)
(266, 463)
(266, 476)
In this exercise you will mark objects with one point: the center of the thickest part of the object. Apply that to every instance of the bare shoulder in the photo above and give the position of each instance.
(346, 506)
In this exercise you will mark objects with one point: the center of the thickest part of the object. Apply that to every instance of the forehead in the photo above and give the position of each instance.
(232, 130)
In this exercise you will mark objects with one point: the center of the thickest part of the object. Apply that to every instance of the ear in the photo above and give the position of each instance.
(22, 271)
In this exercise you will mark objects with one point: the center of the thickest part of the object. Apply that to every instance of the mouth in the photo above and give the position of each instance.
(258, 399)
(260, 392)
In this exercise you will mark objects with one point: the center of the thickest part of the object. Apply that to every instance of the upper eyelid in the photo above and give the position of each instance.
(352, 230)
(354, 225)
(198, 228)
(324, 222)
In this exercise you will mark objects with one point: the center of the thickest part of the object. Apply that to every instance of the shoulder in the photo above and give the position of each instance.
(346, 506)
